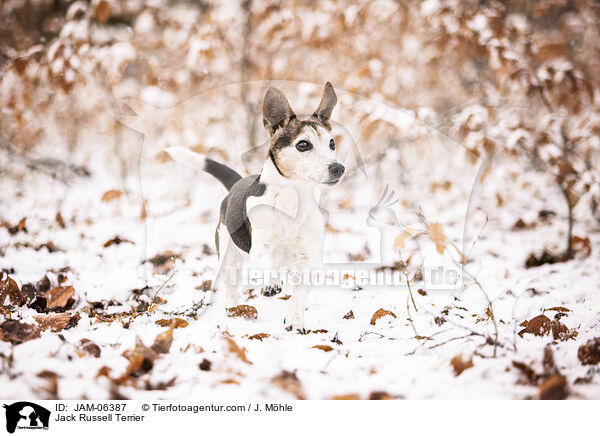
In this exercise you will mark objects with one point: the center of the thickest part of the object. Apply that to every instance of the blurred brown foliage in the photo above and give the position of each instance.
(510, 77)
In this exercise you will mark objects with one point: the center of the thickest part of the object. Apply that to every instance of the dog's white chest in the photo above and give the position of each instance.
(286, 224)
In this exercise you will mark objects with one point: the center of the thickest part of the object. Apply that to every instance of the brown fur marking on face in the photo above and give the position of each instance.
(284, 137)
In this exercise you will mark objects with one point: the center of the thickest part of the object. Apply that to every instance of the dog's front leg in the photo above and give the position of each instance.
(229, 275)
(294, 319)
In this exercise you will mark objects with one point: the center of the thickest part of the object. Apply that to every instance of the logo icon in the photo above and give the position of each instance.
(26, 415)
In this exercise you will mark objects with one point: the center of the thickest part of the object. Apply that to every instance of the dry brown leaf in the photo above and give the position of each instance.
(91, 348)
(144, 212)
(540, 325)
(117, 240)
(173, 322)
(437, 235)
(589, 353)
(242, 311)
(528, 375)
(446, 185)
(163, 341)
(19, 227)
(561, 332)
(103, 372)
(111, 195)
(380, 395)
(349, 315)
(205, 286)
(325, 348)
(460, 365)
(380, 313)
(205, 365)
(141, 359)
(554, 388)
(259, 336)
(163, 262)
(59, 297)
(102, 11)
(346, 397)
(346, 204)
(235, 348)
(58, 322)
(581, 246)
(288, 381)
(331, 229)
(10, 289)
(17, 332)
(52, 387)
(400, 240)
(60, 220)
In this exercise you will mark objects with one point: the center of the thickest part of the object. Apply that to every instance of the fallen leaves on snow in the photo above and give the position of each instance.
(259, 336)
(589, 353)
(242, 311)
(538, 326)
(60, 297)
(9, 289)
(437, 235)
(459, 365)
(117, 240)
(17, 332)
(57, 322)
(325, 348)
(173, 322)
(380, 313)
(288, 381)
(111, 195)
(235, 349)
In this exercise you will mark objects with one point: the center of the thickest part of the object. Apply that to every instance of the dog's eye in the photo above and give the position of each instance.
(332, 144)
(303, 146)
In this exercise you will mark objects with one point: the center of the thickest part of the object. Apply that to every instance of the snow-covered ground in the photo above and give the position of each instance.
(407, 355)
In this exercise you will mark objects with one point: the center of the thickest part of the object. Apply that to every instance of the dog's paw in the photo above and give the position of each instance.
(299, 330)
(270, 291)
(293, 323)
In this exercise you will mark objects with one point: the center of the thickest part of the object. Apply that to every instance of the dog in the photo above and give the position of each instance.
(272, 220)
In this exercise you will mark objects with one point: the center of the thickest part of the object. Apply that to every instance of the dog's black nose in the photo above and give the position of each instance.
(336, 170)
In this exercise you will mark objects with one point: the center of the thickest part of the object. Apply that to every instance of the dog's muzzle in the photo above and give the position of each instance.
(336, 170)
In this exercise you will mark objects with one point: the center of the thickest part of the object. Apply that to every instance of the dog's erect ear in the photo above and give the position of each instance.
(276, 110)
(327, 104)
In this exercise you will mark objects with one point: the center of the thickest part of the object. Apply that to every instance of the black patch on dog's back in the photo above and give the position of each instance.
(234, 213)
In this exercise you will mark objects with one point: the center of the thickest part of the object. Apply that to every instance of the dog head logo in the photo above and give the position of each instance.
(26, 415)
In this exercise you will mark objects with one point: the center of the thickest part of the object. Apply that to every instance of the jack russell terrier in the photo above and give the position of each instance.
(272, 220)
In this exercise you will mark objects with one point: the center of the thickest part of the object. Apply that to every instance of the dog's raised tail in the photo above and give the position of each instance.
(187, 157)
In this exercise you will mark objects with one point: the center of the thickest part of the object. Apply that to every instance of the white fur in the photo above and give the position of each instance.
(311, 165)
(187, 157)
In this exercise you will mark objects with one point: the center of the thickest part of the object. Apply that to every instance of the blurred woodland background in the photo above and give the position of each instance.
(516, 78)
